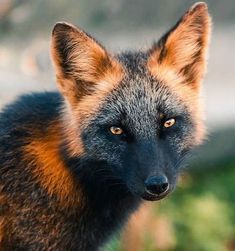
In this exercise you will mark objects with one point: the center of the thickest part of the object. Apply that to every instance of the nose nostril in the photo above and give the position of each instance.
(157, 185)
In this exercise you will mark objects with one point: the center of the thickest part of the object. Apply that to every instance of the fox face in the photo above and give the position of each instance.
(135, 114)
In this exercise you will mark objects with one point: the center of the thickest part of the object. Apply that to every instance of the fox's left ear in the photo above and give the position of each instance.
(183, 50)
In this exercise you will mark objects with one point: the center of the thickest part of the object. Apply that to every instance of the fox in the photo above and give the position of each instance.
(76, 163)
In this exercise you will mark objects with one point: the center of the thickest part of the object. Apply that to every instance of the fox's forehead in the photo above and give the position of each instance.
(139, 92)
(134, 62)
(140, 101)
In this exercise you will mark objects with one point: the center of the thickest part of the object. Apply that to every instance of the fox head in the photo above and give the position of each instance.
(135, 114)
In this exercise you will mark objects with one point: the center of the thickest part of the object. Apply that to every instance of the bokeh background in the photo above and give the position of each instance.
(200, 215)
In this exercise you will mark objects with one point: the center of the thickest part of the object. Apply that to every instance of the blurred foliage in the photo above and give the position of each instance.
(201, 213)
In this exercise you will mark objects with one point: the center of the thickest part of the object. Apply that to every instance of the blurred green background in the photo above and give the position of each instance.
(200, 215)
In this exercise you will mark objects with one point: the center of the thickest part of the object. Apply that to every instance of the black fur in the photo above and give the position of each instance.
(108, 175)
(105, 211)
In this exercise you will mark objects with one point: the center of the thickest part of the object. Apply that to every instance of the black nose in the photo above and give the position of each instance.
(157, 185)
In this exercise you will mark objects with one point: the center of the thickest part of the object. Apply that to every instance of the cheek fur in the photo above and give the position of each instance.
(180, 138)
(98, 144)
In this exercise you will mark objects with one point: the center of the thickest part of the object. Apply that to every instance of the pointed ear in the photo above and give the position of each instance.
(183, 50)
(81, 64)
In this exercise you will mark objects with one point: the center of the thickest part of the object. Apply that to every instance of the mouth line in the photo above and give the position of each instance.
(152, 197)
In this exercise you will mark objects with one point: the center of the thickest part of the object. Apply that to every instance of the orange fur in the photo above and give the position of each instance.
(92, 69)
(2, 218)
(77, 116)
(180, 62)
(89, 64)
(185, 49)
(49, 168)
(189, 96)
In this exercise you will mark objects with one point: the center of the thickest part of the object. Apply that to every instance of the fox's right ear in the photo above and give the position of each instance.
(81, 64)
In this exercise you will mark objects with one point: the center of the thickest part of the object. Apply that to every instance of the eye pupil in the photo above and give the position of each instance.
(116, 130)
(169, 123)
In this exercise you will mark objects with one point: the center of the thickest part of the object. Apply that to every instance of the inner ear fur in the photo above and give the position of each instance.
(81, 63)
(183, 49)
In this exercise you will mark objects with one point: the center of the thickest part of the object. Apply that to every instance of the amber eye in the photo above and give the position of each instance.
(116, 130)
(168, 123)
